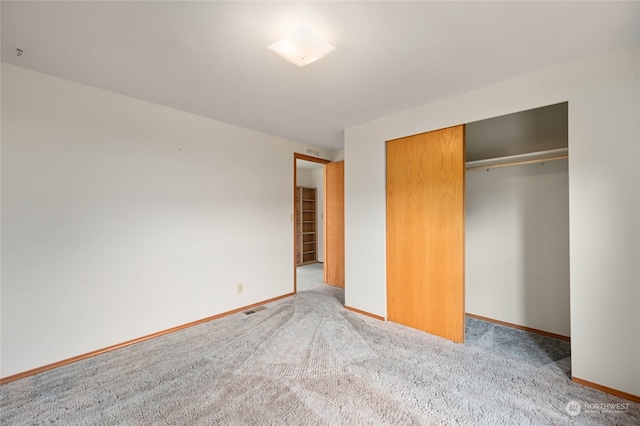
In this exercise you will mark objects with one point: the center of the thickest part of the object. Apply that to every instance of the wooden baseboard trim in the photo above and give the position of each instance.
(358, 311)
(521, 327)
(47, 367)
(616, 392)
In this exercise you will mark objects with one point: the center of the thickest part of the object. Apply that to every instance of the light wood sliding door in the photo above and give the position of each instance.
(425, 232)
(334, 224)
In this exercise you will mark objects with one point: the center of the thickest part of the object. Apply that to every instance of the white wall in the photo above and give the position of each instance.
(303, 177)
(517, 245)
(317, 181)
(122, 218)
(604, 186)
(337, 155)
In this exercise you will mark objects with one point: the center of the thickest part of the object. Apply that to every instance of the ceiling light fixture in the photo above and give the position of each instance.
(302, 46)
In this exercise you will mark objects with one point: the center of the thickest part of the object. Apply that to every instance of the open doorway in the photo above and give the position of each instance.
(308, 218)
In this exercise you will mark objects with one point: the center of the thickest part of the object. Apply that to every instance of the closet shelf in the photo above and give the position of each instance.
(306, 225)
(513, 160)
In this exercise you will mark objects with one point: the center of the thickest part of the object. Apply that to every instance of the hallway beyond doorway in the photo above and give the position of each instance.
(310, 276)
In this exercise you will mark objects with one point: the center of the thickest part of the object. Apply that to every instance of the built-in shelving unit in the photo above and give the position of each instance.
(306, 226)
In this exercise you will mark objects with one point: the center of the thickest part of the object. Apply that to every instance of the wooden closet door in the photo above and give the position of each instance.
(425, 232)
(334, 224)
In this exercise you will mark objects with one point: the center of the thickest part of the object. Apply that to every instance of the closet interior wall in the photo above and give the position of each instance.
(517, 222)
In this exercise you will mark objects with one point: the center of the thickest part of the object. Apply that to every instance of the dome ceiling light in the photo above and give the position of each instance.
(302, 47)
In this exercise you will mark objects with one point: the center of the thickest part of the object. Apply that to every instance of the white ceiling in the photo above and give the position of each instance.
(210, 58)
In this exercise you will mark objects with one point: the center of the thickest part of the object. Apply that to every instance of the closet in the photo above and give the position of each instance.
(478, 224)
(517, 219)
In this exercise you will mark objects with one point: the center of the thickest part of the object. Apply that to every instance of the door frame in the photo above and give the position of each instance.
(297, 156)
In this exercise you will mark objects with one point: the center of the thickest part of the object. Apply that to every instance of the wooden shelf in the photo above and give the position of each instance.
(306, 225)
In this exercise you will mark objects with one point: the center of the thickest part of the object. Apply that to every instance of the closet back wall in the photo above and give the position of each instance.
(517, 245)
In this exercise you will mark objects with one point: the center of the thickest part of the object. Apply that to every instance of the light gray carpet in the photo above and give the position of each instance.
(303, 360)
(535, 349)
(309, 277)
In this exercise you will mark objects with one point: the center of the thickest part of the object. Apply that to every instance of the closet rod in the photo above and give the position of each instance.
(514, 160)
